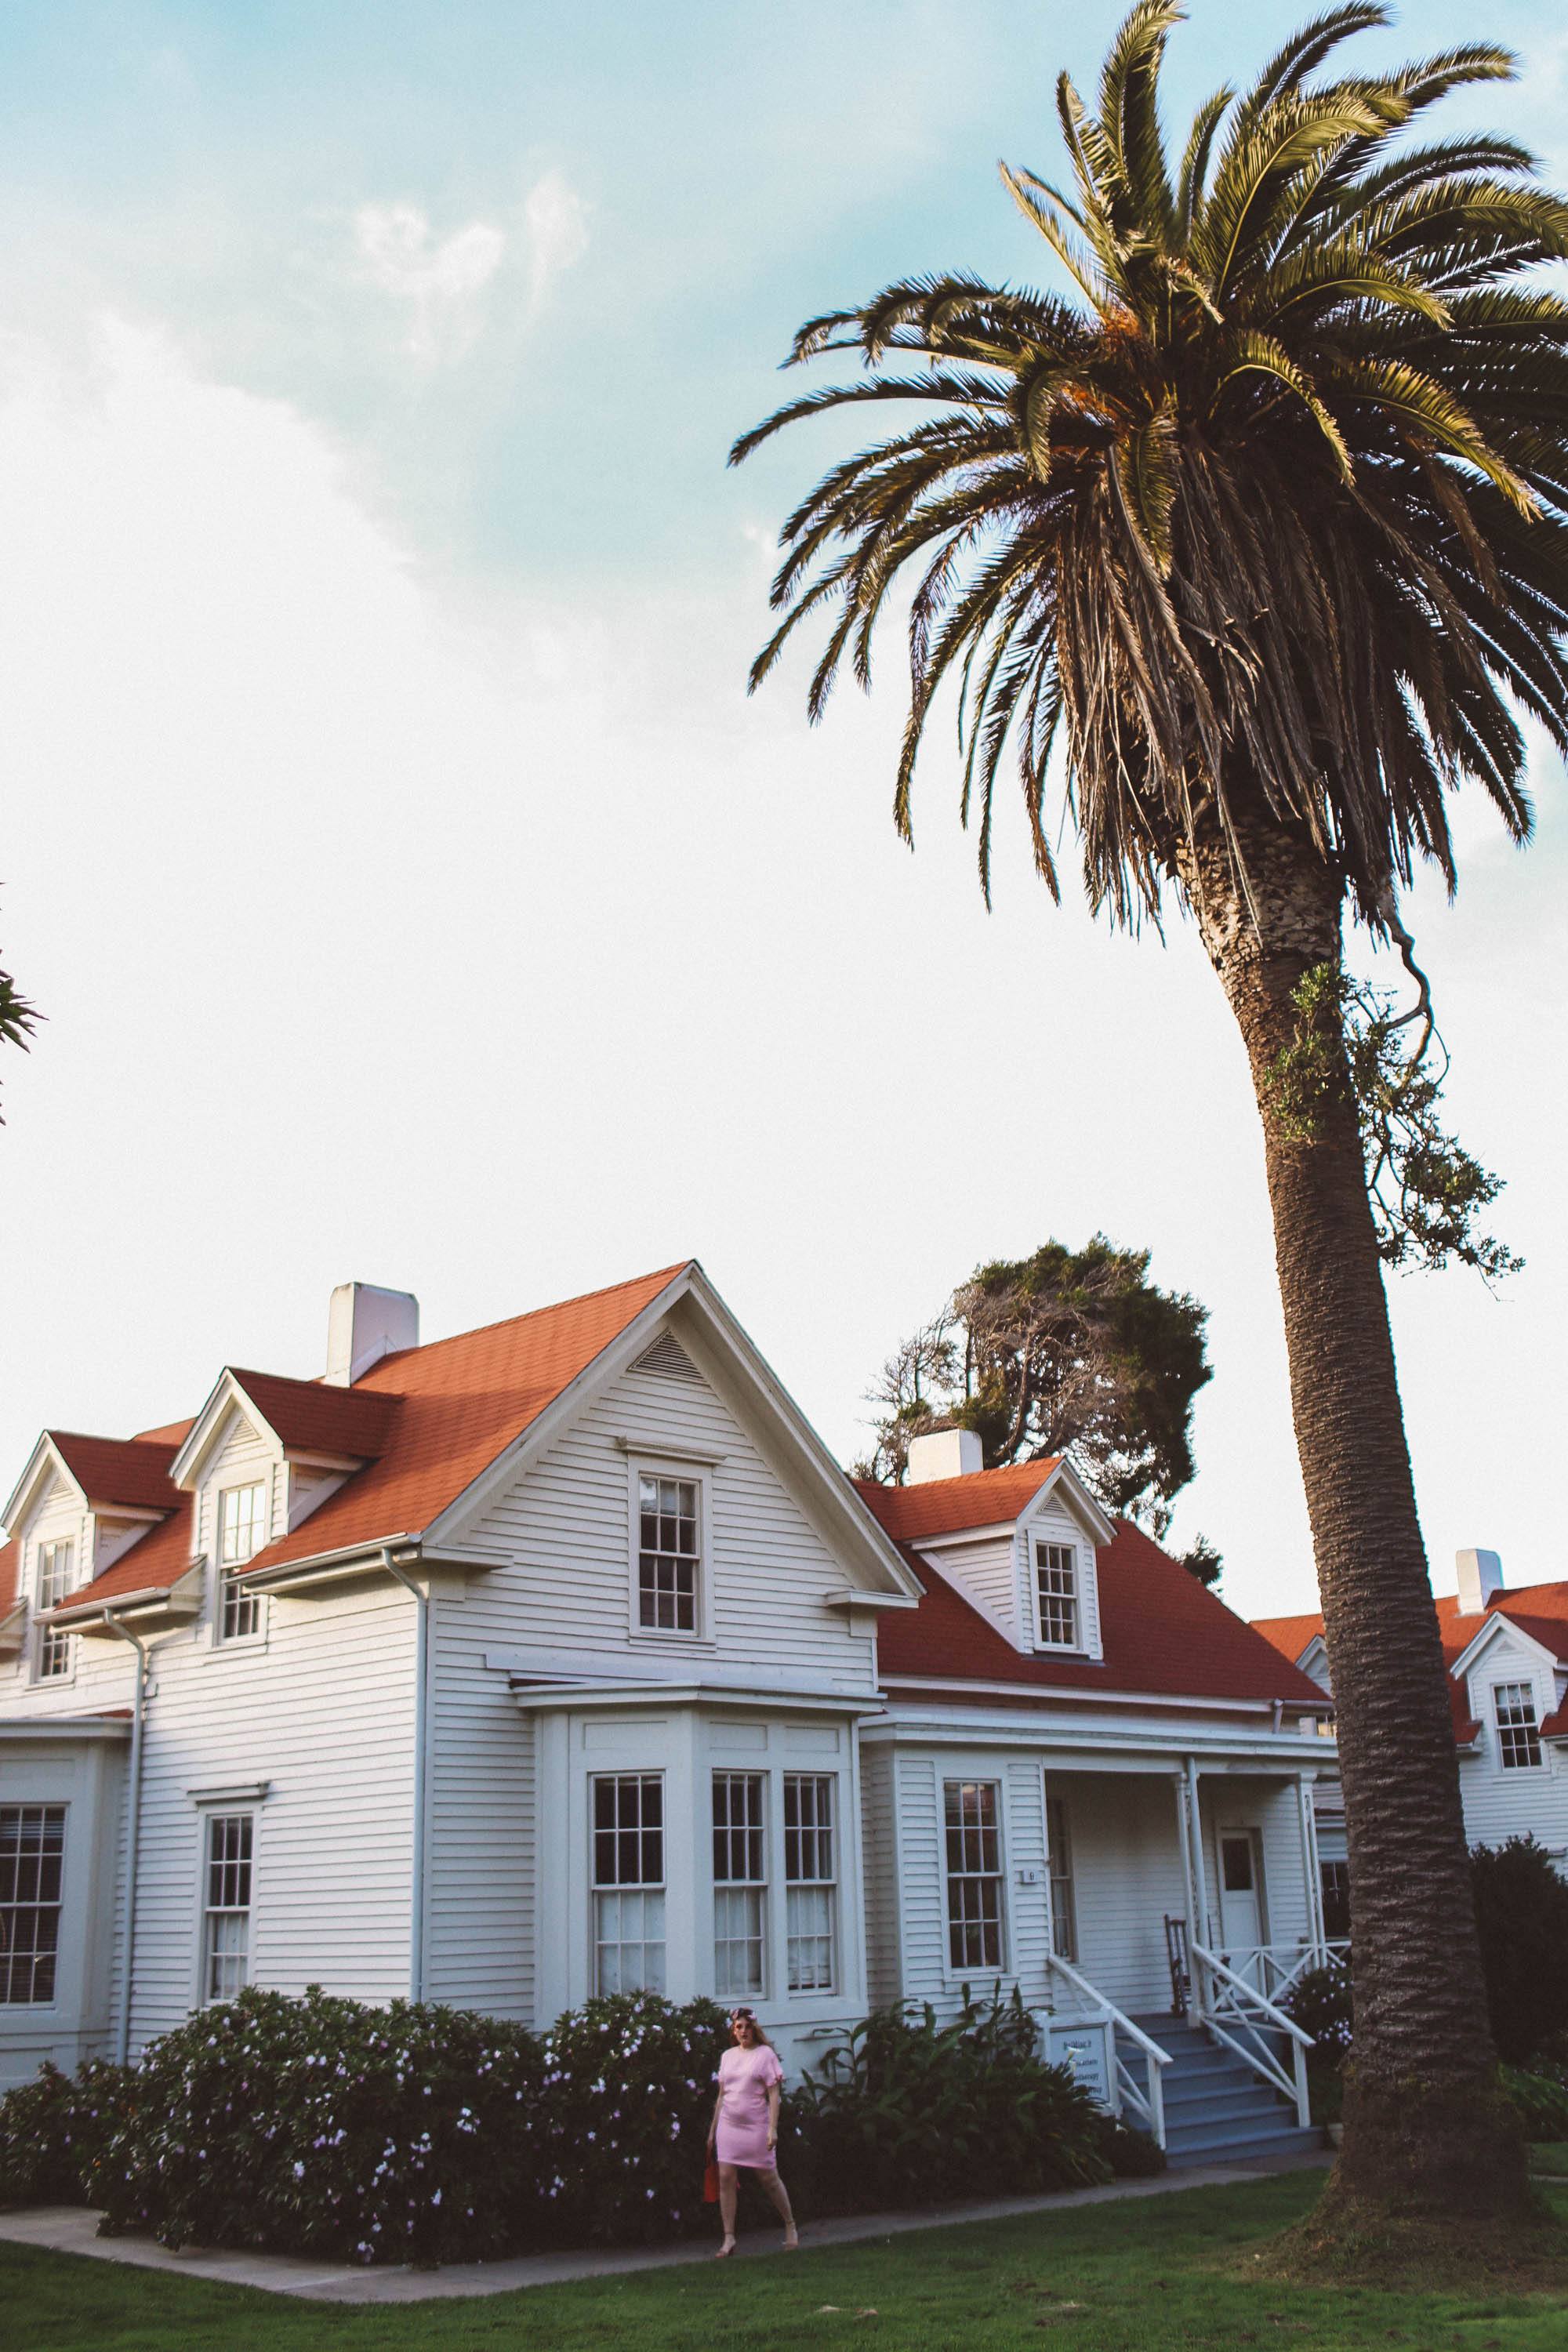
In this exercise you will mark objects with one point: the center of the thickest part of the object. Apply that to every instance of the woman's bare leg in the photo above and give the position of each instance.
(777, 2194)
(727, 2206)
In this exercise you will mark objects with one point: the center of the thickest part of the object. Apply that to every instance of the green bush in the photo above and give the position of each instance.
(1320, 2003)
(906, 2111)
(53, 2130)
(328, 2128)
(1522, 1912)
(1131, 2153)
(1542, 2097)
(628, 2096)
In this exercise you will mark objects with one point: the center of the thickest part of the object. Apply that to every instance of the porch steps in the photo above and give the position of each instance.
(1218, 2111)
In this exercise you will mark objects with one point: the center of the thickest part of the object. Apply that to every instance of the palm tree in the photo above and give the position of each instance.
(1266, 519)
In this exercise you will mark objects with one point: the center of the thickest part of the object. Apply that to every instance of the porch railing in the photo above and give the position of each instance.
(1249, 2025)
(1145, 2099)
(1275, 1971)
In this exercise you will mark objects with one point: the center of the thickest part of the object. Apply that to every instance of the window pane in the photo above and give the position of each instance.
(809, 1927)
(225, 1930)
(32, 1852)
(973, 1873)
(668, 1554)
(1518, 1738)
(1056, 1575)
(1059, 1861)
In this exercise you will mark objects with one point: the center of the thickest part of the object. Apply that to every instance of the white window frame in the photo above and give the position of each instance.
(809, 1837)
(691, 1474)
(963, 1971)
(599, 1887)
(1072, 1554)
(1522, 1725)
(211, 1818)
(230, 1592)
(44, 1807)
(54, 1649)
(751, 1881)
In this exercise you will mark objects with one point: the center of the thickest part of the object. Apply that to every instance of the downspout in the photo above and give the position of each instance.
(1200, 1881)
(132, 1837)
(421, 1770)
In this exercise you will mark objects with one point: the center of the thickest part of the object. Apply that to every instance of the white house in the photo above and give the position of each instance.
(1507, 1656)
(559, 1656)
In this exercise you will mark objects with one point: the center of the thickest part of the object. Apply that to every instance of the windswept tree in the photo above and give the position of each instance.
(1062, 1348)
(1265, 519)
(18, 1019)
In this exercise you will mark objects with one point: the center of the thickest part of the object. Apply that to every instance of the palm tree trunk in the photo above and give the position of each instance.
(1426, 2128)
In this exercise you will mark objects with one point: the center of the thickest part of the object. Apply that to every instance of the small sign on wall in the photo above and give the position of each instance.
(1081, 2049)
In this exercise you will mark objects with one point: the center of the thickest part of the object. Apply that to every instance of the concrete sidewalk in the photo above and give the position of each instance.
(71, 2230)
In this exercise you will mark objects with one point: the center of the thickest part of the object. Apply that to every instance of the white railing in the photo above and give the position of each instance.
(1147, 2101)
(1276, 1970)
(1237, 2013)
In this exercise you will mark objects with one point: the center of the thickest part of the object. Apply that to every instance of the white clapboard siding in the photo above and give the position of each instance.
(879, 1820)
(1272, 1808)
(1503, 1800)
(989, 1570)
(561, 1541)
(1127, 1877)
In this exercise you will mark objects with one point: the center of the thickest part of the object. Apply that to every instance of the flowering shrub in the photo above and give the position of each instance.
(52, 2131)
(628, 2097)
(415, 2134)
(326, 2127)
(1320, 2003)
(906, 2111)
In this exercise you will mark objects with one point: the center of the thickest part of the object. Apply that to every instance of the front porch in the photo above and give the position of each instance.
(1149, 1905)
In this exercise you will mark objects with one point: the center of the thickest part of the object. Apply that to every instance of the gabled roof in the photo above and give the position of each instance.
(155, 1561)
(310, 1416)
(1540, 1610)
(1164, 1634)
(109, 1470)
(457, 1404)
(939, 1506)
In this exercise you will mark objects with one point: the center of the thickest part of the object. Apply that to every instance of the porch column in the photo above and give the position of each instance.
(1309, 1821)
(1200, 1873)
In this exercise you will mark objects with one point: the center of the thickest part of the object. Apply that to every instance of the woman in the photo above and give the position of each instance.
(745, 2127)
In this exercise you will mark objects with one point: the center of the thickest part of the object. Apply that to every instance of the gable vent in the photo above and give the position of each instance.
(668, 1360)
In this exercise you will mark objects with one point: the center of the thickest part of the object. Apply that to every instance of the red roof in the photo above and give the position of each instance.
(10, 1575)
(1163, 1632)
(110, 1470)
(1539, 1610)
(310, 1415)
(426, 1421)
(942, 1506)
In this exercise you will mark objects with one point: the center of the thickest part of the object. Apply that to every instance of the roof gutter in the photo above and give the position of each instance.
(421, 1769)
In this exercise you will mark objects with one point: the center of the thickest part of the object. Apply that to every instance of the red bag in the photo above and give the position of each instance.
(710, 2184)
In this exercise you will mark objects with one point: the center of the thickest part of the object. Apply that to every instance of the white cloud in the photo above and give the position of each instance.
(556, 222)
(441, 282)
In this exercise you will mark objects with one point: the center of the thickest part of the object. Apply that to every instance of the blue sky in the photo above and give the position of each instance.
(413, 889)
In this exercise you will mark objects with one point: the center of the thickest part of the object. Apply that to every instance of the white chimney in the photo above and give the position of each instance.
(363, 1324)
(944, 1454)
(1480, 1575)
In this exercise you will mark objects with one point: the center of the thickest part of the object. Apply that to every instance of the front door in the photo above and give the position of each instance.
(1241, 1921)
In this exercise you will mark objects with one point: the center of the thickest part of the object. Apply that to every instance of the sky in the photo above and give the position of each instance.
(414, 892)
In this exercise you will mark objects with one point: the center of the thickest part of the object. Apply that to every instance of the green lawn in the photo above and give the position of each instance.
(1168, 2275)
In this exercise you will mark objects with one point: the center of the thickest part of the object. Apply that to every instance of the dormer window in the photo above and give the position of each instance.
(670, 1556)
(1518, 1734)
(1056, 1589)
(57, 1563)
(242, 1531)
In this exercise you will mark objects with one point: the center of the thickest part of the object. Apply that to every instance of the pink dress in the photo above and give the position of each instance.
(745, 2078)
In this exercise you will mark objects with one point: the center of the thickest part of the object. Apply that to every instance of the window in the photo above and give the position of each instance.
(225, 1917)
(1519, 1740)
(32, 1861)
(811, 1881)
(242, 1531)
(628, 1883)
(973, 1875)
(54, 1564)
(1059, 1867)
(1056, 1580)
(1336, 1884)
(740, 1876)
(668, 1556)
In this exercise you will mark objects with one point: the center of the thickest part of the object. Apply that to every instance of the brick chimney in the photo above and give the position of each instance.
(363, 1324)
(944, 1454)
(1480, 1575)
